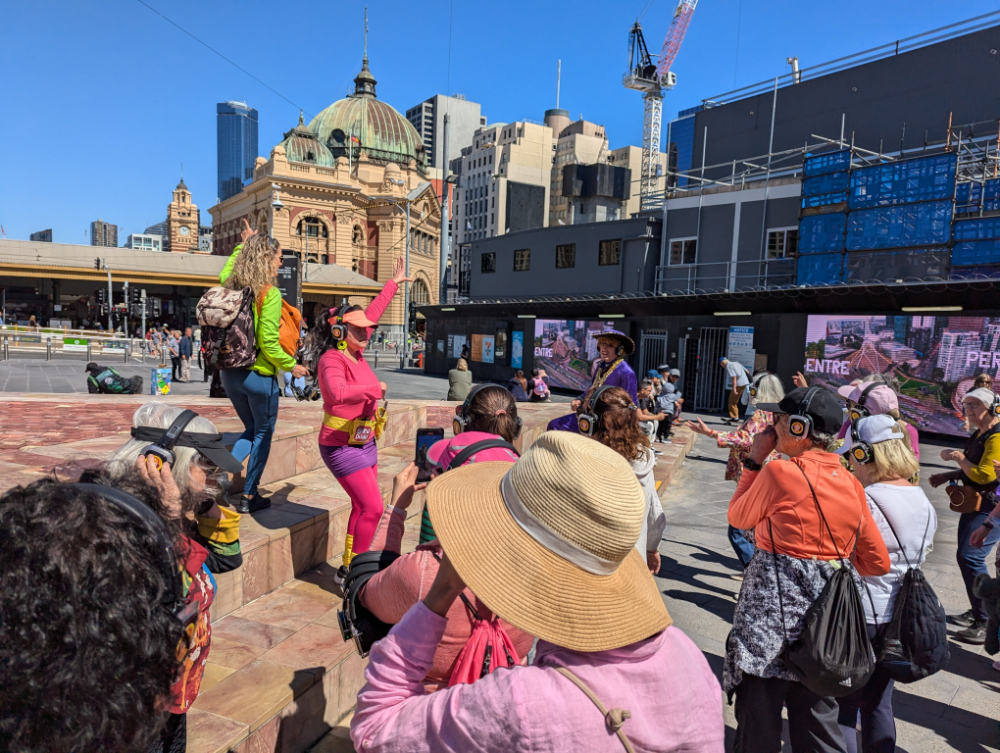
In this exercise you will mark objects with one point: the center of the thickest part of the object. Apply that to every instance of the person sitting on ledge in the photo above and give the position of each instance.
(612, 370)
(107, 381)
(208, 535)
(492, 415)
(549, 544)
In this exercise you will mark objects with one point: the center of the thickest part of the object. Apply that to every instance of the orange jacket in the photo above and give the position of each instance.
(779, 494)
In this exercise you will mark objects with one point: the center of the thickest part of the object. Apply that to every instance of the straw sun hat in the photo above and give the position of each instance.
(549, 542)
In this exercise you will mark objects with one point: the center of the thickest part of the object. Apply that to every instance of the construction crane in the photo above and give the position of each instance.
(653, 79)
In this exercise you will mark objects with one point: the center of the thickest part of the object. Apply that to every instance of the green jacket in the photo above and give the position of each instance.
(270, 357)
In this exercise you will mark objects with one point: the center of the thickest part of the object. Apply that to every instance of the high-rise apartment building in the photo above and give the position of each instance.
(630, 158)
(237, 146)
(45, 236)
(953, 351)
(504, 180)
(575, 143)
(428, 118)
(103, 234)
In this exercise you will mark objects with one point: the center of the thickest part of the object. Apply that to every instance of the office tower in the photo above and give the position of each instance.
(237, 146)
(45, 236)
(428, 119)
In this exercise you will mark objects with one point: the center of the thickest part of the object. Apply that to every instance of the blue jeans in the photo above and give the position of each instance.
(742, 547)
(255, 398)
(972, 561)
(874, 702)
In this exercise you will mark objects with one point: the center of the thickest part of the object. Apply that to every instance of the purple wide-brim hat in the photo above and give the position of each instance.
(626, 341)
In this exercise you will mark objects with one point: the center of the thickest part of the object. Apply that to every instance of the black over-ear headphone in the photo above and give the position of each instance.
(995, 408)
(586, 420)
(861, 451)
(338, 327)
(800, 424)
(167, 562)
(460, 422)
(162, 450)
(859, 411)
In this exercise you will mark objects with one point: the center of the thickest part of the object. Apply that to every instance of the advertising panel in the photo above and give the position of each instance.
(488, 348)
(477, 348)
(517, 350)
(567, 350)
(457, 342)
(935, 358)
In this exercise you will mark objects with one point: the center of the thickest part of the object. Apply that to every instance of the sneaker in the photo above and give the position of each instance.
(975, 633)
(254, 504)
(656, 451)
(962, 620)
(340, 576)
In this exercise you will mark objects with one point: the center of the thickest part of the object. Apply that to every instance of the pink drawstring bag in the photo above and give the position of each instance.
(488, 648)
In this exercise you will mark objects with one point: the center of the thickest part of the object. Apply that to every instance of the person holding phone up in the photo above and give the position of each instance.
(352, 419)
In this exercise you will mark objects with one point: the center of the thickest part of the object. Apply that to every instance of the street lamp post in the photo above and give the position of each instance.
(406, 285)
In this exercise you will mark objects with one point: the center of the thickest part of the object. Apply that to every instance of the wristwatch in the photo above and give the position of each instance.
(751, 465)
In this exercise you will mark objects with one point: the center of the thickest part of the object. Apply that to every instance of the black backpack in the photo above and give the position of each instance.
(832, 655)
(915, 643)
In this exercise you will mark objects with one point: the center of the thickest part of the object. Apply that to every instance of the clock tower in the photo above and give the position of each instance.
(182, 221)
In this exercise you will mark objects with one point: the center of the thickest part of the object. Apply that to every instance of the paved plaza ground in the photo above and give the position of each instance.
(64, 374)
(954, 710)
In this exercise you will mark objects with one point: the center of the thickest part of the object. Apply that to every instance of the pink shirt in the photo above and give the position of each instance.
(351, 390)
(664, 681)
(444, 452)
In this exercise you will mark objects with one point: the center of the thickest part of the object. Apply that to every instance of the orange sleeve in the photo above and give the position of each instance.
(754, 496)
(872, 557)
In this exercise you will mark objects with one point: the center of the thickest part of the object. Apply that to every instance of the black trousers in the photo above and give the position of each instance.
(666, 426)
(175, 362)
(812, 719)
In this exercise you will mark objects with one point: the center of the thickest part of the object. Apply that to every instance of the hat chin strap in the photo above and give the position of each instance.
(552, 541)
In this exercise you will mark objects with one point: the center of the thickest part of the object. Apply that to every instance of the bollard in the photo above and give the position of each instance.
(376, 359)
(128, 350)
(6, 349)
(402, 364)
(90, 355)
(48, 348)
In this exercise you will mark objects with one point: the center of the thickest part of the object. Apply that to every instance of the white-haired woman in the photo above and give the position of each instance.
(209, 534)
(254, 392)
(766, 388)
(907, 522)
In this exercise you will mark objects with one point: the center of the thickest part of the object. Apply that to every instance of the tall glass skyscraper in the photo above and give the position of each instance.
(237, 147)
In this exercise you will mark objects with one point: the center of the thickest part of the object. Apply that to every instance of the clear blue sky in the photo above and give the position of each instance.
(103, 101)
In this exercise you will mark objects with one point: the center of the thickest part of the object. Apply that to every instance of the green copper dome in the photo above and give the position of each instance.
(384, 134)
(301, 145)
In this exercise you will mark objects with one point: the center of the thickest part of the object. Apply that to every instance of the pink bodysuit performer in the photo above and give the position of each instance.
(351, 393)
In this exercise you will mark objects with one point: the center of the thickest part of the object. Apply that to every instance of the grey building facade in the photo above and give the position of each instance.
(599, 258)
(428, 118)
(43, 236)
(236, 126)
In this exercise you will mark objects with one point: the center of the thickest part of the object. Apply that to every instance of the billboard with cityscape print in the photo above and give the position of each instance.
(935, 358)
(567, 350)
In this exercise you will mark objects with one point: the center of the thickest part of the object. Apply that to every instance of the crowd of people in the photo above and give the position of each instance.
(540, 562)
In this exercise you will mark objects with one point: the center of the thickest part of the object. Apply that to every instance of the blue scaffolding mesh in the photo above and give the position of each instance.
(976, 272)
(976, 252)
(981, 228)
(819, 269)
(824, 199)
(829, 183)
(822, 233)
(889, 266)
(831, 162)
(923, 179)
(925, 224)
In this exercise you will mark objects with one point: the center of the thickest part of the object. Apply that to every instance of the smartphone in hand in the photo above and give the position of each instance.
(425, 439)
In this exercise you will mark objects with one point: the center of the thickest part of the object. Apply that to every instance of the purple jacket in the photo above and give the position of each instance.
(664, 681)
(622, 376)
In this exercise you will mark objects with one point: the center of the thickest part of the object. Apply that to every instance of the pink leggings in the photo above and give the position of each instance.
(366, 506)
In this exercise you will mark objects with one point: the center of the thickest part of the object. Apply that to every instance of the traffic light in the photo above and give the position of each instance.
(97, 263)
(133, 296)
(411, 318)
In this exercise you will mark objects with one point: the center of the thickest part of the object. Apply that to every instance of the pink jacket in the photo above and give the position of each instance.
(664, 681)
(351, 390)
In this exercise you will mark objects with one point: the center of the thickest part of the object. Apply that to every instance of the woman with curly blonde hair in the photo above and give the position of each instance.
(254, 391)
(617, 427)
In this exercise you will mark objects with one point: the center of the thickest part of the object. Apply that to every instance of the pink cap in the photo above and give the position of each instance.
(879, 401)
(845, 391)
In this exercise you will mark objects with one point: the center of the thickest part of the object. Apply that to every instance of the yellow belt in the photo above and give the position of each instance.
(374, 425)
